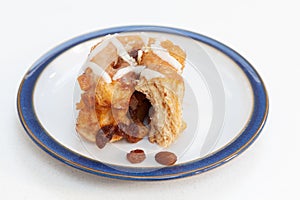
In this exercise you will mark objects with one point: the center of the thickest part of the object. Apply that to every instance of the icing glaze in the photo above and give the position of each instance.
(121, 72)
(149, 74)
(164, 55)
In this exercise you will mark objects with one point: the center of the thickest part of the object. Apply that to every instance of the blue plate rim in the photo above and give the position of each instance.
(37, 133)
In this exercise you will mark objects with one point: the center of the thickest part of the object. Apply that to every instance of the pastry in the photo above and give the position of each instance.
(132, 88)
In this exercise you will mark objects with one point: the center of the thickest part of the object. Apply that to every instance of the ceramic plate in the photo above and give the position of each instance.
(225, 107)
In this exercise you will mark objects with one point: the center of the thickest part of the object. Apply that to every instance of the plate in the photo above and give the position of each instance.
(225, 107)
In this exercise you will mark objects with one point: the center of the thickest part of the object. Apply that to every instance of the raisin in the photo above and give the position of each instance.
(119, 63)
(132, 133)
(104, 135)
(136, 156)
(101, 140)
(134, 53)
(166, 158)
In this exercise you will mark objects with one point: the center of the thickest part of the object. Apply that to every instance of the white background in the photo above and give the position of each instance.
(265, 32)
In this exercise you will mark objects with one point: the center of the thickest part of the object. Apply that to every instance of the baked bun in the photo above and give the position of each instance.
(132, 88)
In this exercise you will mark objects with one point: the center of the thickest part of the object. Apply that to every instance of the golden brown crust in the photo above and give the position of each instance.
(175, 51)
(106, 103)
(165, 95)
(131, 42)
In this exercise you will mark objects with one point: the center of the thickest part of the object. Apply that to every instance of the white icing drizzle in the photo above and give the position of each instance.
(149, 74)
(103, 43)
(122, 51)
(164, 55)
(121, 72)
(139, 57)
(134, 67)
(98, 70)
(145, 38)
(140, 69)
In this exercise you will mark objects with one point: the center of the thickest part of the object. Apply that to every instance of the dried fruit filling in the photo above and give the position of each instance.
(123, 74)
(139, 113)
(136, 156)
